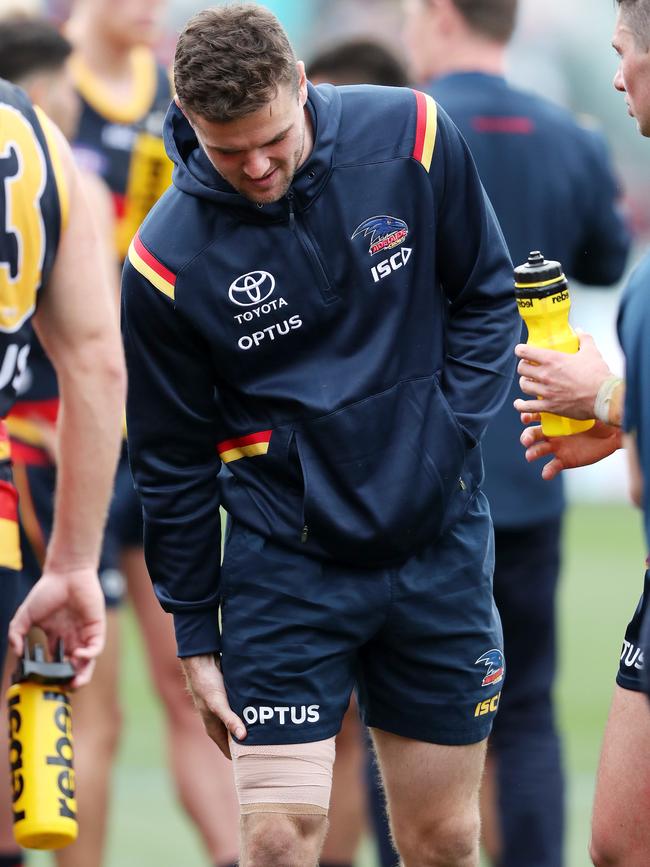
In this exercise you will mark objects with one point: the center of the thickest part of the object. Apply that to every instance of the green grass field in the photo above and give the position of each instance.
(602, 579)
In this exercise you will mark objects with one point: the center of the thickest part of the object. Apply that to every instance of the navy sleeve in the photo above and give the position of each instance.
(477, 278)
(633, 330)
(172, 450)
(600, 259)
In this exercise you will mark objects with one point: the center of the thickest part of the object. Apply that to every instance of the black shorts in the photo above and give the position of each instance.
(422, 641)
(630, 669)
(36, 484)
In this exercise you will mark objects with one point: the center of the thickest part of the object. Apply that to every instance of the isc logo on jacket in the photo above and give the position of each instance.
(392, 263)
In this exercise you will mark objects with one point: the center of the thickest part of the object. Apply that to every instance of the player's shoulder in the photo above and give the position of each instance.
(171, 236)
(634, 309)
(380, 122)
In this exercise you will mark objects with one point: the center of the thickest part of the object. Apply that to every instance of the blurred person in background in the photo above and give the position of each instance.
(341, 433)
(129, 155)
(356, 61)
(34, 55)
(552, 186)
(124, 96)
(583, 386)
(55, 277)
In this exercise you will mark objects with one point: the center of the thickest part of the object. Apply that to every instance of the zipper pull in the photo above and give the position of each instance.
(305, 534)
(292, 217)
(463, 486)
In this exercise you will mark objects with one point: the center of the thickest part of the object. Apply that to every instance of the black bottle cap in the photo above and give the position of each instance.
(35, 668)
(537, 270)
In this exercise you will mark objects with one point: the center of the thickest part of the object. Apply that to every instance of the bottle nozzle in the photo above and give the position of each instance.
(535, 259)
(35, 667)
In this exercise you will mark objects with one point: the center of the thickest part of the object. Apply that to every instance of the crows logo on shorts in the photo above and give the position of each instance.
(495, 664)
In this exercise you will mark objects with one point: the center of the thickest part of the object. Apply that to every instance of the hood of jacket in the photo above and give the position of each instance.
(195, 175)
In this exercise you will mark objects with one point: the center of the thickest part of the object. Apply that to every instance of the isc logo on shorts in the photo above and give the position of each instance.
(297, 714)
(489, 705)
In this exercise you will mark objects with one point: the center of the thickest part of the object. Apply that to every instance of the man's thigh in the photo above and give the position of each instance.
(435, 670)
(429, 787)
(622, 799)
(291, 630)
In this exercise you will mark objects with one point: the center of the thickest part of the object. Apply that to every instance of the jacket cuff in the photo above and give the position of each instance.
(197, 632)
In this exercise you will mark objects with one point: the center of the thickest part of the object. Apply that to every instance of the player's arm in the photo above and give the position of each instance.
(171, 429)
(476, 275)
(76, 323)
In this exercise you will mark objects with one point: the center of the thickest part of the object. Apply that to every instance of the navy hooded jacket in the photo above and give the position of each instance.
(324, 366)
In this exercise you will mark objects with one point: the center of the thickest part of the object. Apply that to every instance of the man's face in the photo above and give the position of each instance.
(421, 37)
(633, 74)
(259, 154)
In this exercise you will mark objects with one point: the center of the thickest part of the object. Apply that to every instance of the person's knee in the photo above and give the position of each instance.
(452, 842)
(608, 850)
(277, 840)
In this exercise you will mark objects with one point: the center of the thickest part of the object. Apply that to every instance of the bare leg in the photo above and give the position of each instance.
(490, 830)
(620, 833)
(277, 840)
(347, 814)
(202, 775)
(433, 799)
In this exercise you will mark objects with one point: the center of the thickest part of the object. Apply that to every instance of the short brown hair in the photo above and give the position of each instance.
(231, 60)
(495, 19)
(637, 15)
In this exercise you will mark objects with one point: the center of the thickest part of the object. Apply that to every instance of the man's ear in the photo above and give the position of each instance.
(178, 103)
(302, 82)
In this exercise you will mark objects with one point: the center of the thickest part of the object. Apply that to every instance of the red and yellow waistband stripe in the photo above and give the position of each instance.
(9, 534)
(22, 421)
(147, 265)
(426, 128)
(5, 447)
(248, 446)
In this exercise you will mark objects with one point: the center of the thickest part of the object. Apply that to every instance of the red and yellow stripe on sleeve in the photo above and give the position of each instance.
(425, 129)
(248, 446)
(154, 271)
(10, 557)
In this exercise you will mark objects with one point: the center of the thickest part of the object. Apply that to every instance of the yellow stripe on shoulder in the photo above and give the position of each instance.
(53, 147)
(430, 132)
(137, 257)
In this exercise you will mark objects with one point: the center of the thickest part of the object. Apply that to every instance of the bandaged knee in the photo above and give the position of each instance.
(295, 779)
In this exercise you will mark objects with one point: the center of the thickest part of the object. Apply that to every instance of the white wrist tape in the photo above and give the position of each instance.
(604, 398)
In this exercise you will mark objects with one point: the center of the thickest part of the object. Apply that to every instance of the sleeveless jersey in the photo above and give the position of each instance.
(122, 143)
(31, 217)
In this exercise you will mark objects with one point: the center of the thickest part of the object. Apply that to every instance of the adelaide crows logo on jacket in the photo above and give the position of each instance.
(385, 232)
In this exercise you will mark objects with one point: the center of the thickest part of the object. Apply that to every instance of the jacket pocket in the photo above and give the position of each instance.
(381, 475)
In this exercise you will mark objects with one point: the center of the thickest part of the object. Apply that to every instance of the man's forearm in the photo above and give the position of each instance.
(90, 423)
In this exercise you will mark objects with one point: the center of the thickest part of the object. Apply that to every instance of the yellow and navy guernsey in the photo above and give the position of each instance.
(123, 144)
(323, 366)
(33, 201)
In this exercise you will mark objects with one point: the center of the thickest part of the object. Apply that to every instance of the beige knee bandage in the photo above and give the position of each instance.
(285, 778)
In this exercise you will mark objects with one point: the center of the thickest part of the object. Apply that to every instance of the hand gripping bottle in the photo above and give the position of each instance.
(542, 294)
(40, 752)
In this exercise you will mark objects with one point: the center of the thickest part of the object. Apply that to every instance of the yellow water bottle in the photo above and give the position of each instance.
(40, 752)
(542, 294)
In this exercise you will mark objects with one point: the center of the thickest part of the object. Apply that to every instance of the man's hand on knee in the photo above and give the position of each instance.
(205, 682)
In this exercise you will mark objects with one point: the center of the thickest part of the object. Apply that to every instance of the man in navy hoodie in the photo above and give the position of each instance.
(552, 186)
(319, 322)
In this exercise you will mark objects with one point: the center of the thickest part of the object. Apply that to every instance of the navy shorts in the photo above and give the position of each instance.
(36, 484)
(421, 641)
(630, 669)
